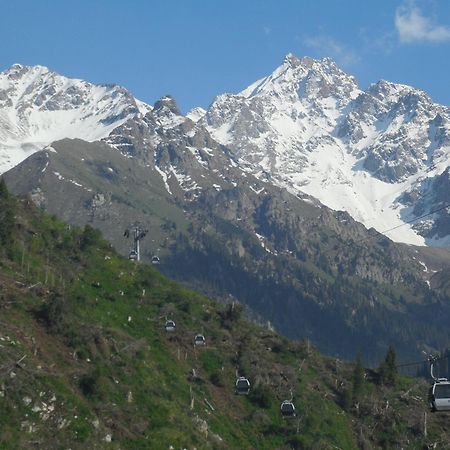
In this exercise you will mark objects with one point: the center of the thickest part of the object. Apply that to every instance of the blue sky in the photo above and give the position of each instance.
(196, 49)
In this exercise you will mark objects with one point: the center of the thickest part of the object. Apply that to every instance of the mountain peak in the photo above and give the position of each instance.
(40, 106)
(15, 66)
(167, 104)
(309, 118)
(305, 76)
(291, 60)
(24, 68)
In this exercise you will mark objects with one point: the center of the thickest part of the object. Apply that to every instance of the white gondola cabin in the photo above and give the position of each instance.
(439, 396)
(169, 326)
(156, 260)
(133, 256)
(287, 409)
(199, 340)
(242, 386)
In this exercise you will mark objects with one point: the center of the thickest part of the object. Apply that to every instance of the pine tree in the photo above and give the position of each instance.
(358, 378)
(388, 368)
(7, 215)
(4, 194)
(347, 399)
(89, 237)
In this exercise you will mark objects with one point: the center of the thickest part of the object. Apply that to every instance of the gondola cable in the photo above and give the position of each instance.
(377, 236)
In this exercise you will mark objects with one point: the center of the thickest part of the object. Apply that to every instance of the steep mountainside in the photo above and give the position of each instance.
(38, 106)
(309, 128)
(86, 362)
(308, 270)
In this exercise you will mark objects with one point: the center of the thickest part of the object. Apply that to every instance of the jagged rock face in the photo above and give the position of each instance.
(396, 129)
(38, 106)
(183, 152)
(272, 122)
(309, 128)
(432, 194)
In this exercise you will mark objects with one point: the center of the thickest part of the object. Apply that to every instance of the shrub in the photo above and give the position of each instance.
(260, 396)
(216, 378)
(56, 312)
(95, 385)
(89, 237)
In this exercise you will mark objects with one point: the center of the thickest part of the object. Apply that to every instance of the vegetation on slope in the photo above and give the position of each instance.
(314, 273)
(85, 361)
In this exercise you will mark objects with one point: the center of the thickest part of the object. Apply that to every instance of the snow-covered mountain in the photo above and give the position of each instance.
(375, 153)
(38, 106)
(382, 154)
(292, 260)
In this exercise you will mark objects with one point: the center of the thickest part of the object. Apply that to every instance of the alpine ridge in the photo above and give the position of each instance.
(309, 128)
(382, 154)
(38, 106)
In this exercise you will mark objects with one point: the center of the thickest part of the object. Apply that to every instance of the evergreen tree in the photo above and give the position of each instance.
(388, 368)
(358, 377)
(347, 399)
(7, 215)
(90, 236)
(4, 193)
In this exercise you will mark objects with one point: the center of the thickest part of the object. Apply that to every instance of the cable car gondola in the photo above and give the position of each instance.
(156, 260)
(287, 409)
(439, 396)
(199, 340)
(242, 386)
(170, 325)
(133, 255)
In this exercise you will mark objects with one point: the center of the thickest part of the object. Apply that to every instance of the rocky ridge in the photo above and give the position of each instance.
(38, 106)
(309, 128)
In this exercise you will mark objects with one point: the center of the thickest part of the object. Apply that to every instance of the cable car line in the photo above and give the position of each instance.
(377, 236)
(416, 218)
(435, 358)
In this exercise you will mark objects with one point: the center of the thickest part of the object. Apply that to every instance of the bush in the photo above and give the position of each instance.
(95, 385)
(260, 396)
(89, 237)
(216, 378)
(56, 313)
(231, 314)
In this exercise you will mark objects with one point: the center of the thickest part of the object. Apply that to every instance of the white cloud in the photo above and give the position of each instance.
(413, 26)
(327, 46)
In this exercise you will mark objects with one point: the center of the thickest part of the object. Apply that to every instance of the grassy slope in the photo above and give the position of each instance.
(84, 360)
(317, 277)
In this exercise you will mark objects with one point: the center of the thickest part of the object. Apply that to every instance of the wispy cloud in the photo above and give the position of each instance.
(328, 46)
(413, 26)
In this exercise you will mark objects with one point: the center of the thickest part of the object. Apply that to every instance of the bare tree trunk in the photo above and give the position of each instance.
(425, 424)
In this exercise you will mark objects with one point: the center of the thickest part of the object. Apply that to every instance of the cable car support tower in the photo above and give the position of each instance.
(138, 233)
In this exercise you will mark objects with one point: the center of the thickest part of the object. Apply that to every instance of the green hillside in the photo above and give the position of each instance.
(314, 273)
(85, 361)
